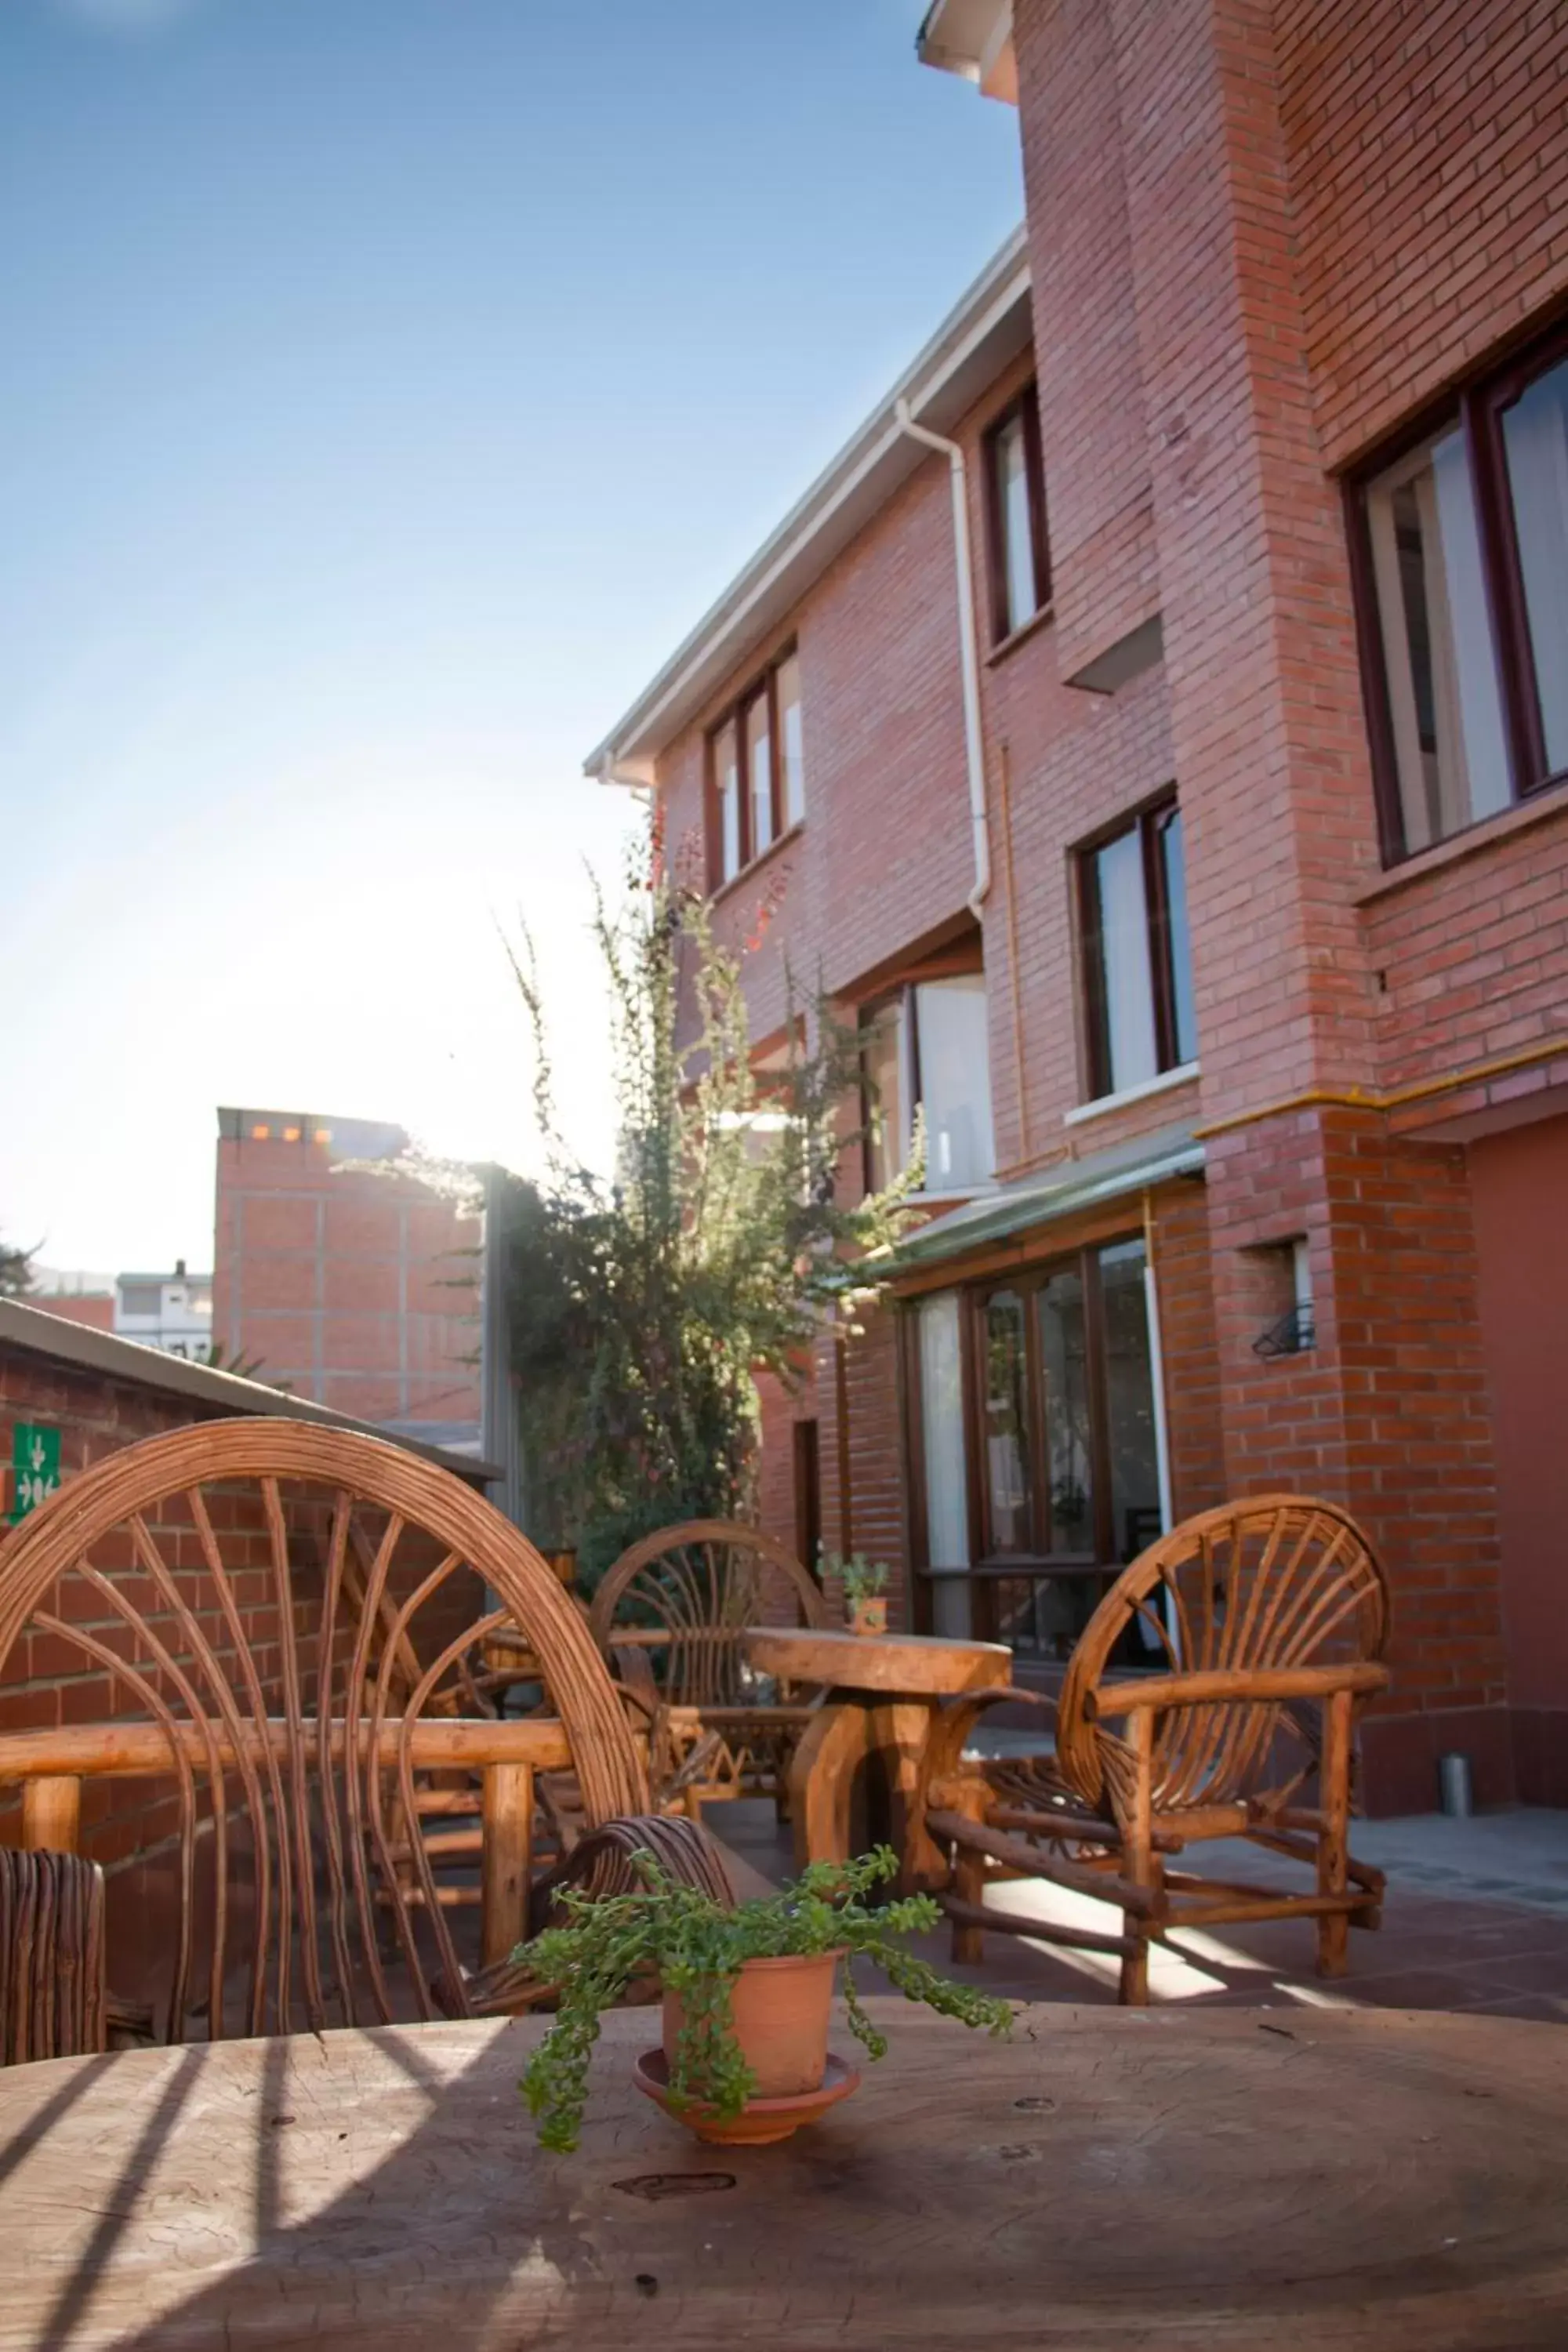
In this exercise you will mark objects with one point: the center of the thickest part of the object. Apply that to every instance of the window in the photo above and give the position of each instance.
(1137, 958)
(144, 1299)
(1462, 548)
(756, 773)
(1063, 1468)
(928, 1047)
(1015, 517)
(792, 744)
(943, 1472)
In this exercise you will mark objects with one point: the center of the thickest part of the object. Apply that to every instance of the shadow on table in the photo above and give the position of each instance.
(462, 2215)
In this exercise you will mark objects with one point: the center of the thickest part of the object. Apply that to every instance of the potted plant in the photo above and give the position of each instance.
(865, 1586)
(747, 1991)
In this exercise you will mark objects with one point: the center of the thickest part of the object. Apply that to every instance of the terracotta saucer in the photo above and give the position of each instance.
(761, 2120)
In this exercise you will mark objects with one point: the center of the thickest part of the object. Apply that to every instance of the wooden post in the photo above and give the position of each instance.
(822, 1778)
(1139, 1860)
(900, 1728)
(51, 1813)
(506, 1859)
(968, 1876)
(1334, 1805)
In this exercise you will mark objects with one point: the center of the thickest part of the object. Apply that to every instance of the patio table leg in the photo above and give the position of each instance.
(822, 1778)
(900, 1728)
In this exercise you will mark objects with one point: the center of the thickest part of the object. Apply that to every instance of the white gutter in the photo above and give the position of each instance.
(968, 644)
(987, 329)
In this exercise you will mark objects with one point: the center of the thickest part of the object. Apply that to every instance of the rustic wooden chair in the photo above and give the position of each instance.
(205, 1573)
(52, 1996)
(1244, 1644)
(669, 1616)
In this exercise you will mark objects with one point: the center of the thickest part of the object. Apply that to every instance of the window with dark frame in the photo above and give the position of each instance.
(756, 771)
(927, 1048)
(1027, 1497)
(1017, 546)
(1137, 959)
(1459, 550)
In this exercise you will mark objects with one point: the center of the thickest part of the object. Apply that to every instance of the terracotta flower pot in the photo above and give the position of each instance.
(781, 2010)
(869, 1617)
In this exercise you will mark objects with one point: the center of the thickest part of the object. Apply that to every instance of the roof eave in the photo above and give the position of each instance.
(972, 38)
(987, 327)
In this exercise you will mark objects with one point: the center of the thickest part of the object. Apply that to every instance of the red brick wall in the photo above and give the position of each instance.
(1105, 566)
(1388, 1415)
(1475, 952)
(358, 1289)
(93, 1308)
(1427, 152)
(878, 1518)
(1188, 1342)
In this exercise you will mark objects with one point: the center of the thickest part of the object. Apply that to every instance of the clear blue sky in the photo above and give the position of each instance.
(388, 384)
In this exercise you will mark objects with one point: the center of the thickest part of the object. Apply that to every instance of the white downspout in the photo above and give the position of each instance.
(968, 645)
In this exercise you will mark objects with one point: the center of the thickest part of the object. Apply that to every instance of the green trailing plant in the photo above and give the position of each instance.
(697, 1946)
(641, 1305)
(861, 1578)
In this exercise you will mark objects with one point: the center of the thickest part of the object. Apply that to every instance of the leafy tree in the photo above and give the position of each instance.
(641, 1307)
(16, 1272)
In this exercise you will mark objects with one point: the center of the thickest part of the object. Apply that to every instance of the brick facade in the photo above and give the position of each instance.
(1263, 235)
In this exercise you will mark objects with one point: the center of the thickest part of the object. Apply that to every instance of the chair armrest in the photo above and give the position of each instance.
(1235, 1685)
(952, 1722)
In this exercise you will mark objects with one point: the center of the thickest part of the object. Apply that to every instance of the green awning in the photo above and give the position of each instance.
(1071, 1186)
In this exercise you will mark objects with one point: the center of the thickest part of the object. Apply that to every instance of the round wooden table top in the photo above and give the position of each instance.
(1277, 2180)
(914, 1665)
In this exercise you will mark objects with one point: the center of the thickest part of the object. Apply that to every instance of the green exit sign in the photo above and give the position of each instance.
(36, 1463)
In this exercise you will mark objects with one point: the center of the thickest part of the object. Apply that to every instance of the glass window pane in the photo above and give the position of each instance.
(1010, 457)
(792, 740)
(1063, 1375)
(1178, 942)
(1446, 712)
(941, 1433)
(1132, 1054)
(1128, 1401)
(726, 783)
(882, 1052)
(760, 773)
(954, 1051)
(1006, 1423)
(1535, 437)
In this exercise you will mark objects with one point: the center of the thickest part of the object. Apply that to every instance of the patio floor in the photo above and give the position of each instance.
(1475, 1917)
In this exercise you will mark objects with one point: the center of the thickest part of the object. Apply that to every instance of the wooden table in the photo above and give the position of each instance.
(1280, 2180)
(862, 1750)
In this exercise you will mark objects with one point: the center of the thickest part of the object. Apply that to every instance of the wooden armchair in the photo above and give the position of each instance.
(51, 1957)
(669, 1616)
(1222, 1672)
(274, 1719)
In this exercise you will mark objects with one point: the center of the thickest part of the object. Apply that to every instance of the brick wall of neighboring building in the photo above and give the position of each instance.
(94, 1310)
(357, 1288)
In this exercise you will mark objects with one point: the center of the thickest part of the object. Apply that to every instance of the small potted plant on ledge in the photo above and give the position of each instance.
(864, 1583)
(748, 1989)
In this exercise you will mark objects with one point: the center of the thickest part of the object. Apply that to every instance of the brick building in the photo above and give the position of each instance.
(358, 1288)
(1187, 828)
